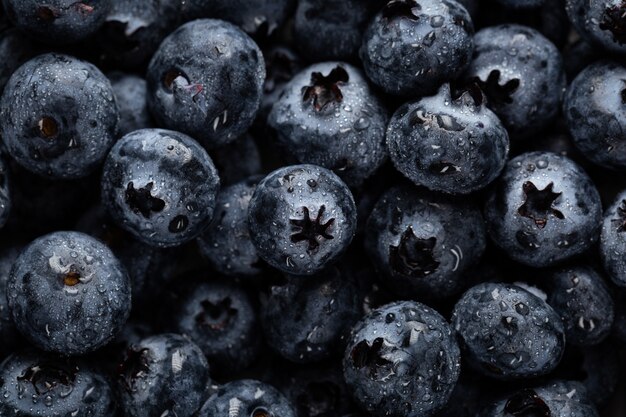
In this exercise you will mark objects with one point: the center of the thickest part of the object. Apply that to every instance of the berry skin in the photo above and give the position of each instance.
(418, 244)
(68, 293)
(206, 80)
(393, 347)
(163, 374)
(15, 50)
(556, 399)
(130, 92)
(226, 243)
(220, 319)
(328, 115)
(332, 30)
(36, 384)
(160, 186)
(237, 160)
(453, 145)
(521, 4)
(582, 299)
(544, 209)
(593, 109)
(307, 320)
(247, 397)
(508, 333)
(301, 219)
(521, 72)
(6, 199)
(600, 23)
(68, 134)
(401, 50)
(58, 22)
(613, 241)
(10, 337)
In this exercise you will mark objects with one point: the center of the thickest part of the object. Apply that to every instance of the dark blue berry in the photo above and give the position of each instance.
(220, 319)
(68, 134)
(226, 243)
(301, 218)
(593, 111)
(161, 186)
(67, 293)
(448, 143)
(521, 72)
(35, 384)
(327, 115)
(206, 80)
(393, 347)
(130, 92)
(308, 320)
(544, 209)
(419, 244)
(163, 374)
(508, 333)
(600, 22)
(583, 300)
(411, 46)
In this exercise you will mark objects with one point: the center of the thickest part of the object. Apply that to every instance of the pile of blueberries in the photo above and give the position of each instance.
(312, 208)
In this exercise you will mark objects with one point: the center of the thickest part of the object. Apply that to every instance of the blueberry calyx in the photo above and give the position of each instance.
(402, 9)
(307, 229)
(47, 127)
(72, 277)
(538, 204)
(613, 21)
(498, 94)
(413, 256)
(140, 200)
(135, 365)
(46, 377)
(369, 356)
(216, 316)
(47, 14)
(324, 90)
(527, 403)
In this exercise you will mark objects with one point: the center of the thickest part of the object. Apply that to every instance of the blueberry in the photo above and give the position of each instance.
(327, 115)
(521, 72)
(393, 347)
(332, 30)
(600, 22)
(67, 293)
(58, 21)
(226, 243)
(582, 299)
(163, 374)
(301, 219)
(521, 4)
(247, 398)
(451, 144)
(220, 319)
(419, 245)
(592, 108)
(401, 50)
(161, 186)
(307, 320)
(508, 333)
(68, 134)
(133, 30)
(15, 50)
(130, 92)
(556, 399)
(36, 384)
(281, 65)
(6, 200)
(543, 209)
(237, 160)
(206, 80)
